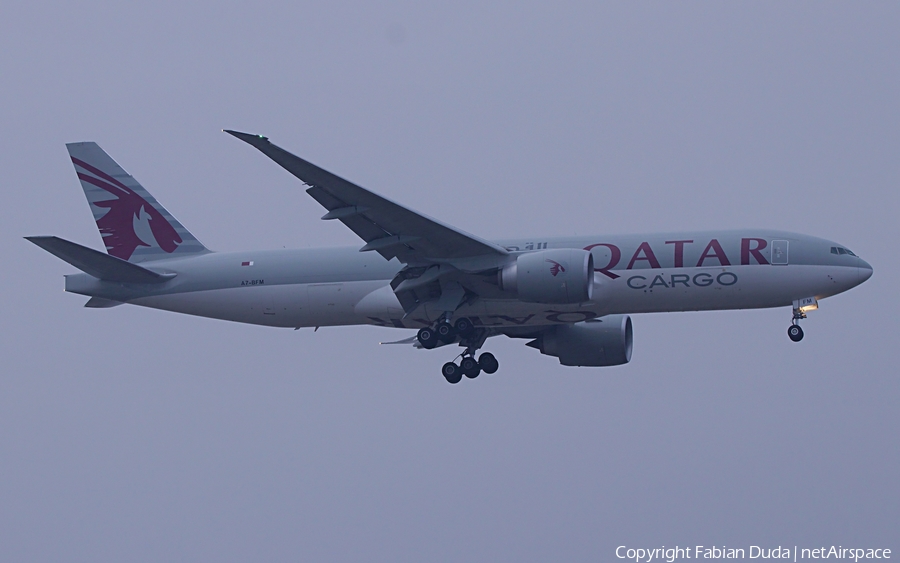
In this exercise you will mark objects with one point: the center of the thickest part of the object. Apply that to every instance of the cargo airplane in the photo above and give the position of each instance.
(569, 297)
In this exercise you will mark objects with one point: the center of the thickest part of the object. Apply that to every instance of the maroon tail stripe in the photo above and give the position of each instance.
(98, 172)
(101, 184)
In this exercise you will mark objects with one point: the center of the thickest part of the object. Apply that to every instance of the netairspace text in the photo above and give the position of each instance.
(793, 553)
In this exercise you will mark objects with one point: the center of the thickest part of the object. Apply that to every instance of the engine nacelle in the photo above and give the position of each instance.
(605, 341)
(560, 275)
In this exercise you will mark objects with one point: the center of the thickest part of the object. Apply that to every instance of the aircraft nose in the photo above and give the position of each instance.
(864, 269)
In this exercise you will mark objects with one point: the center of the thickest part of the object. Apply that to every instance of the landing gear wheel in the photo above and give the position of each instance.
(470, 367)
(488, 363)
(795, 333)
(427, 338)
(463, 326)
(446, 332)
(452, 373)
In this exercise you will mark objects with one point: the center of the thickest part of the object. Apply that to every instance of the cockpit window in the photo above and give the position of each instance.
(849, 252)
(834, 250)
(841, 250)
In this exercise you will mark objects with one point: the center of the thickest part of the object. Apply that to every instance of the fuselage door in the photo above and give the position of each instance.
(780, 252)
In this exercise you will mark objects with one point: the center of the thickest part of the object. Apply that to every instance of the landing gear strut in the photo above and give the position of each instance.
(795, 333)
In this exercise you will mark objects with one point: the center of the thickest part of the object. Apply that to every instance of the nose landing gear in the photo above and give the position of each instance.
(795, 333)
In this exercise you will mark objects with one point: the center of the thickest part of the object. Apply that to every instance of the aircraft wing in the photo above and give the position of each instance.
(386, 227)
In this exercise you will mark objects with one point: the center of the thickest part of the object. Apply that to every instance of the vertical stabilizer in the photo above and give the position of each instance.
(134, 226)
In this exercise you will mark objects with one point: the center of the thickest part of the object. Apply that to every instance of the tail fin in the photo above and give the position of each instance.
(134, 226)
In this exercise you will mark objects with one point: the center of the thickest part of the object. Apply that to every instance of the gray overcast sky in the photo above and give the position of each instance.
(138, 435)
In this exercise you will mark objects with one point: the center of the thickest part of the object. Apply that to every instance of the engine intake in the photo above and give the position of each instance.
(602, 342)
(560, 275)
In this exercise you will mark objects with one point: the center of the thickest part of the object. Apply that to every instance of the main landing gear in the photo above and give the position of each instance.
(445, 332)
(795, 333)
(470, 367)
(468, 336)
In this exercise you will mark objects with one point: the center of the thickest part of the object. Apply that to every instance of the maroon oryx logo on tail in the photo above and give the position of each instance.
(556, 268)
(117, 225)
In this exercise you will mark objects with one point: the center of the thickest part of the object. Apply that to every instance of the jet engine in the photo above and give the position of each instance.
(601, 342)
(560, 275)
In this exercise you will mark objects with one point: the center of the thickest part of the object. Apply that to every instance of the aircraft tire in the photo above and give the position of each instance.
(795, 333)
(488, 363)
(452, 373)
(446, 332)
(463, 326)
(427, 338)
(470, 367)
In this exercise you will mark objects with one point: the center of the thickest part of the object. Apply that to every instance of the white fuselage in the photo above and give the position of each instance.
(633, 274)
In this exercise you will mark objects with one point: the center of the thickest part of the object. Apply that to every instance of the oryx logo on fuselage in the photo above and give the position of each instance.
(117, 226)
(556, 268)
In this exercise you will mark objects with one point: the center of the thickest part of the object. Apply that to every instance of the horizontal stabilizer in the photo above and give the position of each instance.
(98, 264)
(101, 303)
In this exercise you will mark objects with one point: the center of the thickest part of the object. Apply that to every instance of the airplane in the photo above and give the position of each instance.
(571, 298)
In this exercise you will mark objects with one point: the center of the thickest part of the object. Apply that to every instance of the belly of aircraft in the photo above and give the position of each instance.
(637, 291)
